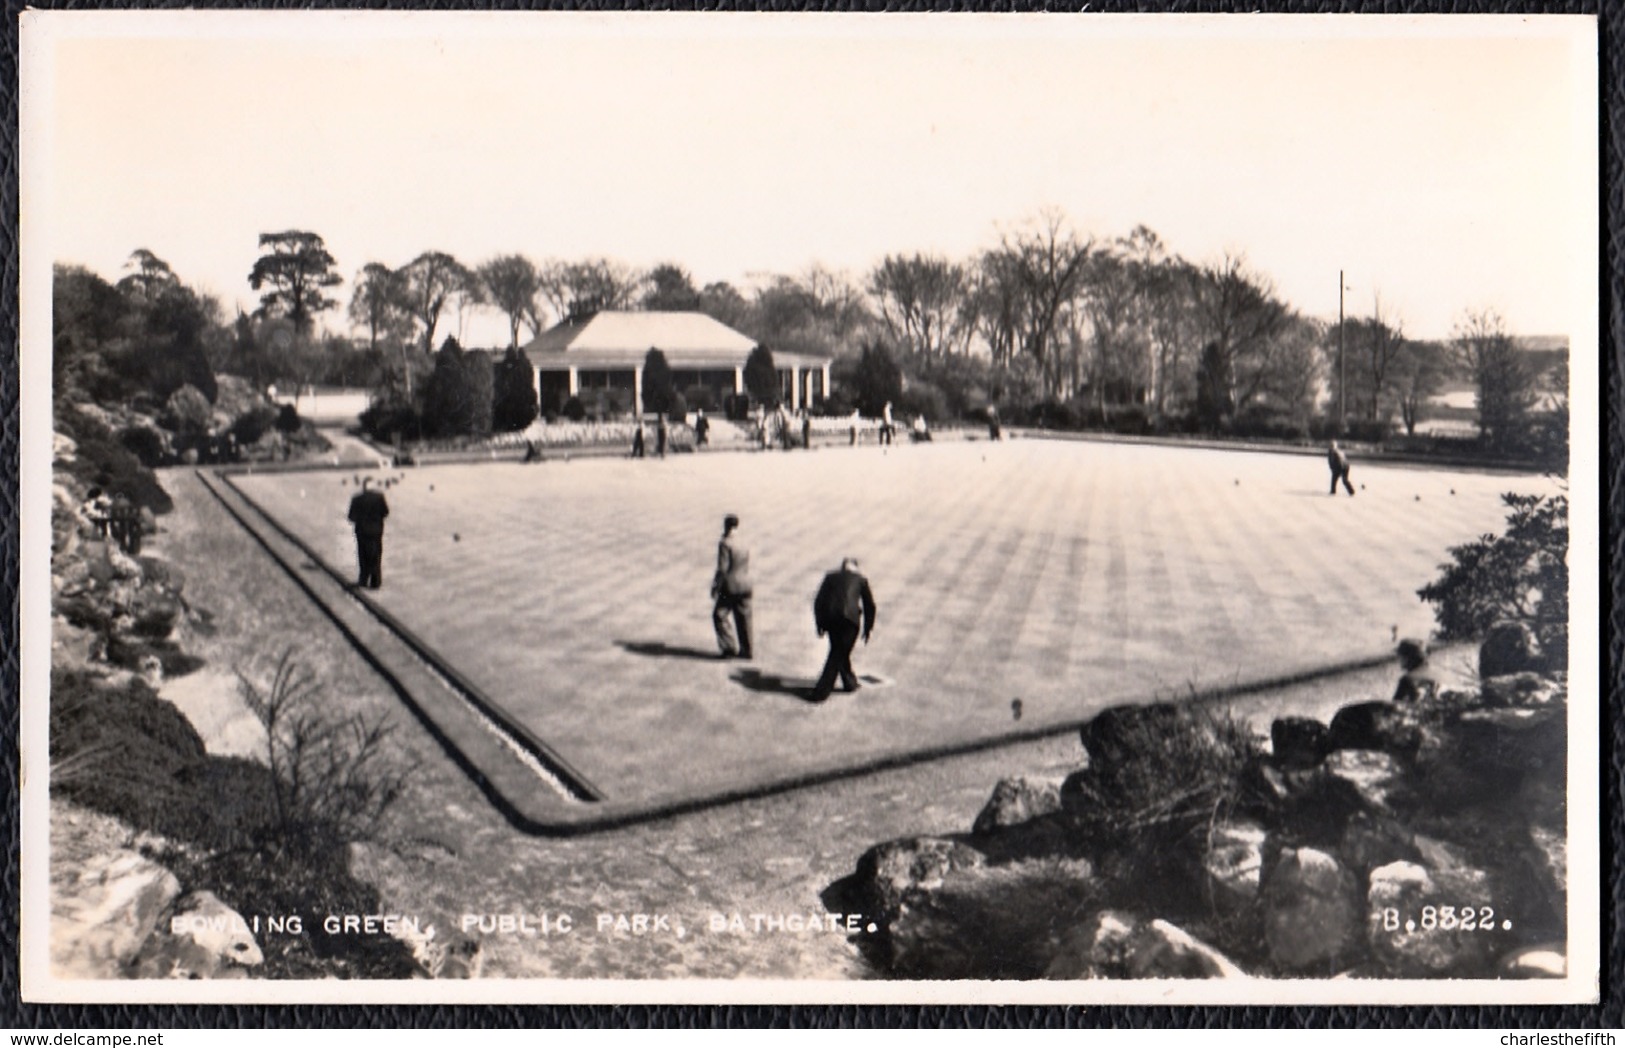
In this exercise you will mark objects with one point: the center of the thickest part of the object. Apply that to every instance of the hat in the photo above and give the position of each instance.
(730, 521)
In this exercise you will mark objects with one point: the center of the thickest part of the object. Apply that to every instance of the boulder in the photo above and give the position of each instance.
(1312, 911)
(1297, 742)
(1523, 689)
(205, 939)
(1377, 778)
(1384, 726)
(1115, 945)
(1370, 840)
(1124, 734)
(1234, 863)
(1426, 923)
(1016, 801)
(100, 918)
(887, 873)
(983, 922)
(1509, 647)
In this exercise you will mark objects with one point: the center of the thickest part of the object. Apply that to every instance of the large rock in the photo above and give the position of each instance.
(888, 873)
(1114, 945)
(100, 918)
(1374, 776)
(1312, 911)
(983, 921)
(1509, 647)
(1427, 923)
(1297, 742)
(1384, 726)
(1370, 840)
(205, 939)
(1017, 801)
(1124, 734)
(1234, 864)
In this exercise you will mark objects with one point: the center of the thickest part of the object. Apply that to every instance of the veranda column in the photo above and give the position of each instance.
(575, 382)
(795, 388)
(739, 380)
(637, 390)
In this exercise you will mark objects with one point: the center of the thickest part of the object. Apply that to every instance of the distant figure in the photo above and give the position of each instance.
(702, 429)
(731, 590)
(637, 440)
(367, 512)
(887, 430)
(994, 431)
(97, 510)
(806, 429)
(1418, 683)
(124, 525)
(855, 427)
(533, 452)
(1339, 464)
(920, 434)
(660, 435)
(843, 608)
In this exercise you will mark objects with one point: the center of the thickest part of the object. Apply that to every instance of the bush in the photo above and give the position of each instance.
(187, 411)
(1258, 420)
(1522, 575)
(332, 779)
(253, 424)
(288, 421)
(107, 464)
(574, 410)
(700, 398)
(1128, 419)
(386, 420)
(146, 444)
(923, 398)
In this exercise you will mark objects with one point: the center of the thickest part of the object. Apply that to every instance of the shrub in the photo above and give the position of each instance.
(574, 410)
(332, 779)
(1521, 575)
(1258, 420)
(253, 424)
(146, 444)
(391, 419)
(700, 398)
(1129, 419)
(187, 411)
(107, 464)
(923, 398)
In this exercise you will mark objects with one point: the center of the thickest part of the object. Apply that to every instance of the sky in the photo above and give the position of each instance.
(1443, 163)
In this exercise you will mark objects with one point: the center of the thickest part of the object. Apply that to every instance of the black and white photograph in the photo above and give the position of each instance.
(809, 508)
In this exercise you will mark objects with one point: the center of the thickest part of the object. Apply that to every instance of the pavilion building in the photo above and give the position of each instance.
(605, 351)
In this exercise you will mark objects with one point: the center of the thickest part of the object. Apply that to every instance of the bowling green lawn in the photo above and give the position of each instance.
(1068, 575)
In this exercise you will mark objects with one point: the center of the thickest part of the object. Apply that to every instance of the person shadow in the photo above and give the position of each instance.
(660, 649)
(775, 684)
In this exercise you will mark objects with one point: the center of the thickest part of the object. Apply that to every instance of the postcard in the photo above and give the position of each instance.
(723, 508)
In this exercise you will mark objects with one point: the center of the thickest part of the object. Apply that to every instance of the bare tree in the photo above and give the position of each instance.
(1047, 262)
(1241, 321)
(1507, 384)
(428, 284)
(511, 283)
(922, 302)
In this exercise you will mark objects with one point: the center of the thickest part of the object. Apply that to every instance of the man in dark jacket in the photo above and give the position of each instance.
(1338, 462)
(367, 512)
(843, 608)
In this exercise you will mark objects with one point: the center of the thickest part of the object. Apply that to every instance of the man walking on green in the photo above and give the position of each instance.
(844, 607)
(731, 589)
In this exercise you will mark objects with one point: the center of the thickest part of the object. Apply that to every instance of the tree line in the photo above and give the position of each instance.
(1048, 322)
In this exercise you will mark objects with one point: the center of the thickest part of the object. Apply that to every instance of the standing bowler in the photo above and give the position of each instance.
(731, 589)
(367, 512)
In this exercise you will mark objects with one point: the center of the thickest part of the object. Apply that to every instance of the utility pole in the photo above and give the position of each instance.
(1342, 372)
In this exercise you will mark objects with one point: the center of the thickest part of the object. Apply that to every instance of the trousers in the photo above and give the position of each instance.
(731, 617)
(843, 637)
